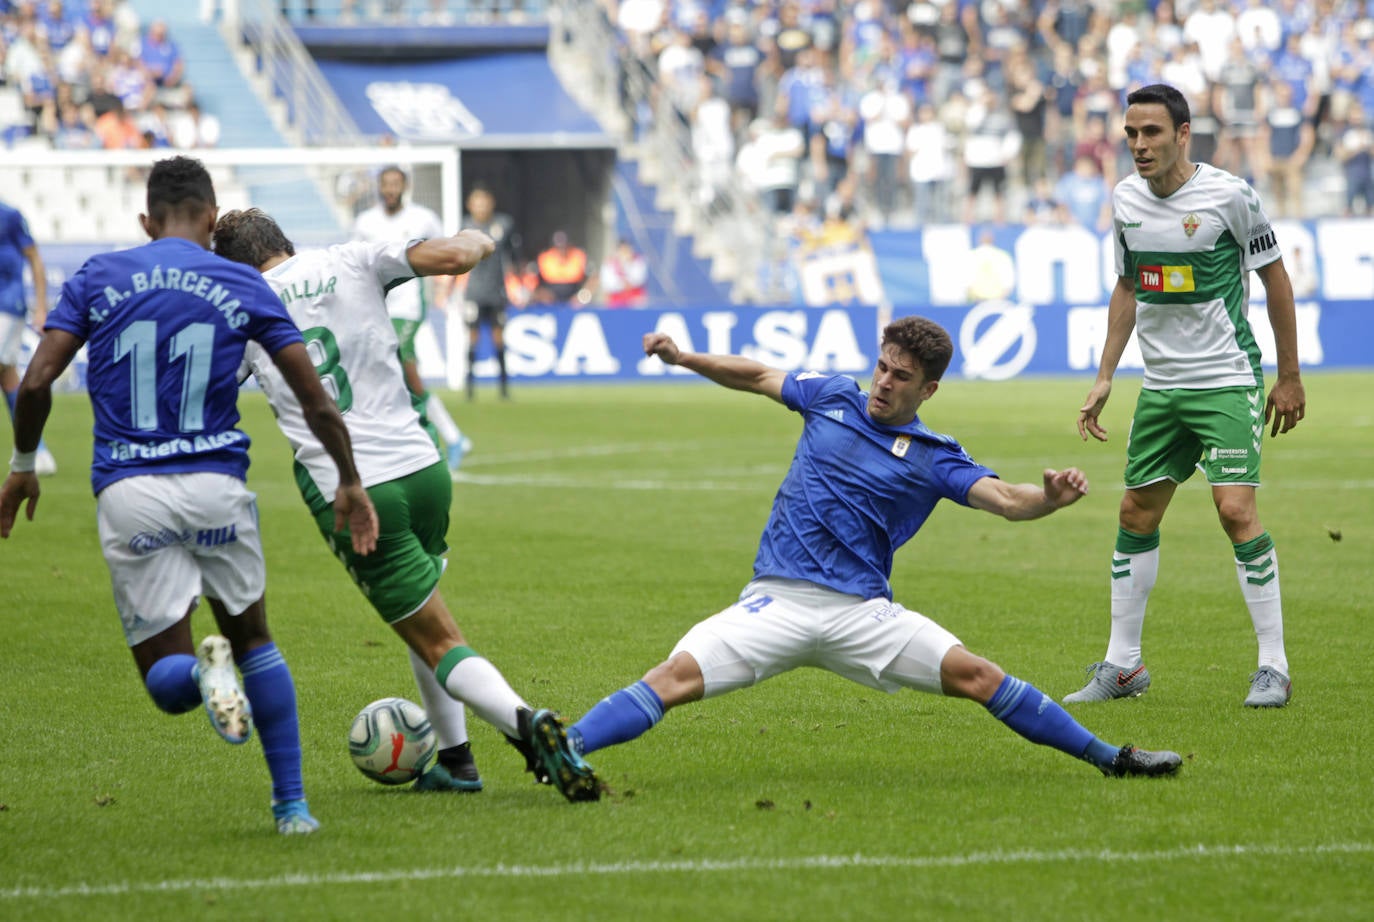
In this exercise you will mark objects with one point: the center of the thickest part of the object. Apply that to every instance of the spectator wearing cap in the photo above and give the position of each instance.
(564, 273)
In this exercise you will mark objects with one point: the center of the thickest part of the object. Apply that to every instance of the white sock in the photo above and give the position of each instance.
(480, 685)
(437, 414)
(1259, 583)
(1133, 576)
(445, 714)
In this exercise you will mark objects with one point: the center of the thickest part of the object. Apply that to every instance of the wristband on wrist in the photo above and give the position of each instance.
(23, 462)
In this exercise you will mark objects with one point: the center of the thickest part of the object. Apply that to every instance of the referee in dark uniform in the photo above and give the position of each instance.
(486, 300)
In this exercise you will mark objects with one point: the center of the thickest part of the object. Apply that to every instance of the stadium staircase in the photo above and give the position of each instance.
(676, 275)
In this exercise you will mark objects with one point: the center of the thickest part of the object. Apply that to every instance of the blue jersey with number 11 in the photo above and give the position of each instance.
(165, 326)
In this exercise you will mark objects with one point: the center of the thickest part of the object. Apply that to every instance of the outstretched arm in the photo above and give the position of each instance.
(732, 371)
(1287, 403)
(450, 255)
(1019, 502)
(352, 507)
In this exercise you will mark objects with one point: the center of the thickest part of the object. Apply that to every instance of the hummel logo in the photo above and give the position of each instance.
(1126, 678)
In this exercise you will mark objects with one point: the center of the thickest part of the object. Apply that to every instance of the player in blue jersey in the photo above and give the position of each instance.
(16, 248)
(165, 326)
(865, 476)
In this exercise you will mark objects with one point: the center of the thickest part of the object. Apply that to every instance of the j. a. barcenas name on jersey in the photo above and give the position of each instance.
(173, 278)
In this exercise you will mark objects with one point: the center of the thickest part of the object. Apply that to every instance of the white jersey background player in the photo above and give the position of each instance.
(1187, 236)
(408, 303)
(336, 297)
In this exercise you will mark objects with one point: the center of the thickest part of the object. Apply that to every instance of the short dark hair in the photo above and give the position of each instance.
(179, 184)
(250, 237)
(924, 340)
(1164, 95)
(393, 168)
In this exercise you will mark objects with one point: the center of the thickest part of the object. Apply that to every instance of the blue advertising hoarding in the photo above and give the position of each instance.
(995, 339)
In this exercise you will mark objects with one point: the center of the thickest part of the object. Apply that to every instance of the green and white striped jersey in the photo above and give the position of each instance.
(1190, 256)
(336, 296)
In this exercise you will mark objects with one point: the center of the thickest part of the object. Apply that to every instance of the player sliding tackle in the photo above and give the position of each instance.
(337, 296)
(865, 476)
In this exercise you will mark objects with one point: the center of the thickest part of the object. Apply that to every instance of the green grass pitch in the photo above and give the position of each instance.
(591, 527)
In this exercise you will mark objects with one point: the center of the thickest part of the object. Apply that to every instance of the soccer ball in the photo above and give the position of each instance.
(391, 741)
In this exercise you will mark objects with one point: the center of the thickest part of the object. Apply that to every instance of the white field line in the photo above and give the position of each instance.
(610, 481)
(606, 481)
(707, 866)
(559, 453)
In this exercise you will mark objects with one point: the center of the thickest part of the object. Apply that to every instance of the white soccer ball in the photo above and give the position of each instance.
(391, 741)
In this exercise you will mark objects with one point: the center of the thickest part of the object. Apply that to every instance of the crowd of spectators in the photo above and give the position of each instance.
(1003, 110)
(88, 75)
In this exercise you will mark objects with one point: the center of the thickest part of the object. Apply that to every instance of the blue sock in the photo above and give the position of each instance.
(618, 718)
(272, 695)
(1036, 716)
(172, 683)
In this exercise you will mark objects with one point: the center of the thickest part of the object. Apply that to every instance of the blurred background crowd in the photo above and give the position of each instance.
(840, 117)
(898, 114)
(88, 74)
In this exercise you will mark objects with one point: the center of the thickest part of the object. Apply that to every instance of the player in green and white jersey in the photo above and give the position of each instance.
(1187, 238)
(337, 296)
(393, 218)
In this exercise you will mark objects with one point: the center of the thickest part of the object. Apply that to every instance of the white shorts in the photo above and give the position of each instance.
(168, 538)
(11, 338)
(780, 624)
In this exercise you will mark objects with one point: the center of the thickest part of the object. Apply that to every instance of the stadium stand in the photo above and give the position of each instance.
(680, 86)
